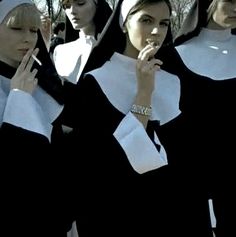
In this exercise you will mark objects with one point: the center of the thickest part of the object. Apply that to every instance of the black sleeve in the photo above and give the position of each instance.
(29, 184)
(55, 41)
(86, 103)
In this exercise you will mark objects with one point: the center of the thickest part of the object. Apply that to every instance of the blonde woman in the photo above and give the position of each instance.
(27, 113)
(207, 46)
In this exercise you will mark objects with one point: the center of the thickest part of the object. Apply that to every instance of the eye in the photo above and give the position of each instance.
(15, 28)
(80, 3)
(165, 23)
(33, 31)
(146, 20)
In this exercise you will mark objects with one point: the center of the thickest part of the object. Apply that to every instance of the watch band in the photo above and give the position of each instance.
(142, 110)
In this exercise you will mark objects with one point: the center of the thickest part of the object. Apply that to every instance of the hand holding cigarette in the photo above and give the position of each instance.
(25, 76)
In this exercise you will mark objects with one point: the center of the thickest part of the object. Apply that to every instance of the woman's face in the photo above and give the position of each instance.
(224, 15)
(80, 13)
(148, 25)
(16, 40)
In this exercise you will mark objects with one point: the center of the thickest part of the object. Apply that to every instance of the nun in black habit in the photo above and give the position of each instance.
(127, 104)
(87, 19)
(207, 47)
(29, 105)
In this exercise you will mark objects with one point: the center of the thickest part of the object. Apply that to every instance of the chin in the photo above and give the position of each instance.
(77, 27)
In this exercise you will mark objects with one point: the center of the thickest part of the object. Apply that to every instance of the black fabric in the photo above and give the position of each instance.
(33, 183)
(56, 40)
(30, 197)
(194, 21)
(209, 128)
(208, 105)
(152, 202)
(70, 34)
(6, 70)
(157, 203)
(109, 192)
(47, 75)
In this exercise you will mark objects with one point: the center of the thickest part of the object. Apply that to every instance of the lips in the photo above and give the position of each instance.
(75, 19)
(152, 42)
(23, 50)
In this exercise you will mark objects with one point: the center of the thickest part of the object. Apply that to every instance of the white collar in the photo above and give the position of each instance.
(120, 87)
(215, 35)
(49, 106)
(212, 54)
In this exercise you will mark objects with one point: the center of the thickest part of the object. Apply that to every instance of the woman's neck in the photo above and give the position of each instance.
(89, 30)
(212, 25)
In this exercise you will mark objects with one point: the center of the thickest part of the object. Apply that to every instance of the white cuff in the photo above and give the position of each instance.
(212, 214)
(73, 232)
(139, 148)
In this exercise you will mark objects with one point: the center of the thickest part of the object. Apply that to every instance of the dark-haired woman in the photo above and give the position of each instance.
(124, 185)
(88, 18)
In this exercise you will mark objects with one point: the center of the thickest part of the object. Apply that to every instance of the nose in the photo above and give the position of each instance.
(73, 9)
(155, 31)
(27, 37)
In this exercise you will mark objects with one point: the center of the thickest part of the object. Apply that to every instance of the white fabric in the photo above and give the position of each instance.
(7, 5)
(211, 54)
(212, 215)
(126, 6)
(70, 58)
(140, 151)
(73, 232)
(117, 78)
(34, 113)
(118, 81)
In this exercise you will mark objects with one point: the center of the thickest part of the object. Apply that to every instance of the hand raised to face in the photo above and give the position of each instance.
(25, 78)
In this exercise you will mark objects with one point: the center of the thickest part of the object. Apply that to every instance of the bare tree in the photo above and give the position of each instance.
(179, 10)
(179, 7)
(51, 8)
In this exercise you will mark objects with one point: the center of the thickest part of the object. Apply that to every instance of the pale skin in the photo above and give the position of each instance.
(21, 40)
(146, 31)
(224, 15)
(81, 14)
(25, 79)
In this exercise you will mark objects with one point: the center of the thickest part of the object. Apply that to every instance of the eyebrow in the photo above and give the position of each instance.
(147, 15)
(167, 19)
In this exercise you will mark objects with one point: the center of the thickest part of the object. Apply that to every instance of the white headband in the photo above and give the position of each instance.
(7, 5)
(126, 6)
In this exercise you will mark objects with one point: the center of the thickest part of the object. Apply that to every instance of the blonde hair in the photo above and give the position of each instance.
(211, 9)
(23, 15)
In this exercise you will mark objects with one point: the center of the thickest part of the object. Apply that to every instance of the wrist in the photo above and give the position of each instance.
(141, 110)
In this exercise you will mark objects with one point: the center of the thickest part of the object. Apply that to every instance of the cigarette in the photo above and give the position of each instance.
(36, 59)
